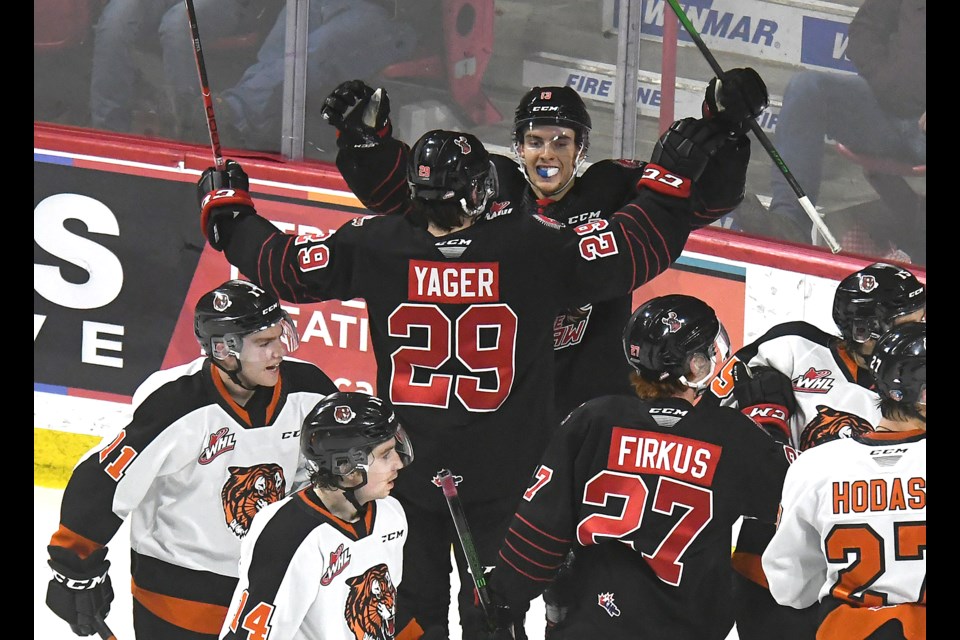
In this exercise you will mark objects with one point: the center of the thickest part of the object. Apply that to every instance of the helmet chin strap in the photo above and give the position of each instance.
(234, 375)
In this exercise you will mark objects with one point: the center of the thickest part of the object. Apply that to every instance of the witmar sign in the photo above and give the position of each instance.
(119, 263)
(802, 33)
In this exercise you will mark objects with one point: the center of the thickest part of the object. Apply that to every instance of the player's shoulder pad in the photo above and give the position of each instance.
(798, 329)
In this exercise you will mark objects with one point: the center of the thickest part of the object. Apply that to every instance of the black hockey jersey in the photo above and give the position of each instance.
(646, 493)
(586, 339)
(461, 324)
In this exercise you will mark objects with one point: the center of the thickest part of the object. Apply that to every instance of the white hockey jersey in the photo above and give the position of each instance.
(853, 524)
(190, 470)
(827, 384)
(307, 575)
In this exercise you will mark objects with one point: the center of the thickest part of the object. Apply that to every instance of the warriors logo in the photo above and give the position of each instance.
(247, 490)
(371, 605)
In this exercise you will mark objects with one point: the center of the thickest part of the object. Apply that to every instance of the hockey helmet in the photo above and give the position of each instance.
(339, 433)
(867, 302)
(556, 106)
(899, 363)
(236, 309)
(674, 336)
(450, 165)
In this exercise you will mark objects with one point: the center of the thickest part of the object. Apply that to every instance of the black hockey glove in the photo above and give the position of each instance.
(765, 395)
(223, 197)
(740, 97)
(686, 148)
(80, 589)
(505, 620)
(558, 595)
(360, 113)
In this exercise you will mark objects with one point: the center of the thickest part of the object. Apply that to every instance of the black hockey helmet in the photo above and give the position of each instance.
(236, 309)
(557, 106)
(451, 166)
(868, 301)
(339, 433)
(899, 363)
(674, 335)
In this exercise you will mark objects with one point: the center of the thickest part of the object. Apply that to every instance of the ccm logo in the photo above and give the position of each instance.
(393, 535)
(286, 435)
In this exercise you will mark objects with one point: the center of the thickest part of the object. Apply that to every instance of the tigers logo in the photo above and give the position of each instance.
(371, 605)
(868, 283)
(461, 142)
(339, 560)
(672, 322)
(830, 424)
(605, 600)
(247, 490)
(342, 414)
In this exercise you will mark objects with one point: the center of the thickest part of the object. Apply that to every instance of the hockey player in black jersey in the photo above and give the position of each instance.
(461, 292)
(324, 563)
(827, 379)
(551, 139)
(207, 446)
(646, 490)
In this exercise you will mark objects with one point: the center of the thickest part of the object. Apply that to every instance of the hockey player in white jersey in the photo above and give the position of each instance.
(324, 563)
(209, 444)
(852, 533)
(830, 382)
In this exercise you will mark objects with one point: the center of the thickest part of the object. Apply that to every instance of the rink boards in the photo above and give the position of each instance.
(119, 261)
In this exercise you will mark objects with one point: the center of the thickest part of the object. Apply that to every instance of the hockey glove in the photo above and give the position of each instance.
(765, 395)
(80, 590)
(223, 199)
(360, 114)
(740, 97)
(505, 621)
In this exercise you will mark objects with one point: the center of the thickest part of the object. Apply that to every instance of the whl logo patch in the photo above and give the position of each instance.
(339, 560)
(220, 442)
(814, 381)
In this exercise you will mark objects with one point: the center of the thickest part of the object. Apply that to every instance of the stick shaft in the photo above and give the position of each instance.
(449, 487)
(805, 203)
(103, 630)
(218, 160)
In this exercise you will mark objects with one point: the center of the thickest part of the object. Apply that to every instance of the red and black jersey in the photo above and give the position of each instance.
(586, 339)
(461, 324)
(646, 494)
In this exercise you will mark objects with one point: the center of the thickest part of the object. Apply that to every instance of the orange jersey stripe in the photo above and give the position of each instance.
(857, 623)
(199, 617)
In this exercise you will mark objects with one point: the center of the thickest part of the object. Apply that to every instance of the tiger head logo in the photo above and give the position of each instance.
(371, 604)
(830, 424)
(247, 490)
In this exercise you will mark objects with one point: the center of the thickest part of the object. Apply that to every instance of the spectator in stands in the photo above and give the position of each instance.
(124, 25)
(879, 111)
(347, 39)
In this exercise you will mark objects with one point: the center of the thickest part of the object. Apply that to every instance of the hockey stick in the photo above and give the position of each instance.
(102, 629)
(218, 160)
(808, 207)
(449, 487)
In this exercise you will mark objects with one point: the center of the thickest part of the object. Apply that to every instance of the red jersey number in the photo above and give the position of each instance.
(483, 339)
